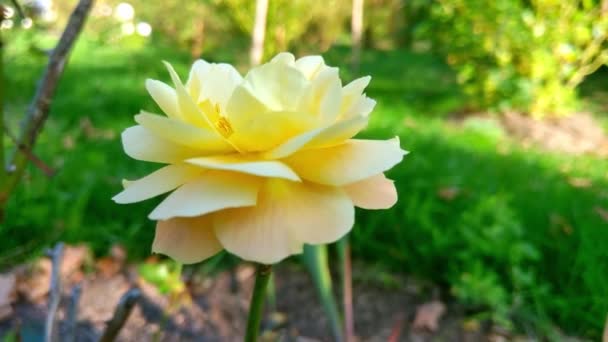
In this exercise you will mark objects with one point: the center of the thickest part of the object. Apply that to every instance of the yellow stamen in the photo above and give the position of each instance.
(224, 127)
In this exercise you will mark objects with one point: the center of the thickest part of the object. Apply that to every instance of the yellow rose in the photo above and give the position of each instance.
(259, 165)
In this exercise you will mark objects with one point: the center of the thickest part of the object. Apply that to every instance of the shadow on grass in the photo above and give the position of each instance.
(464, 205)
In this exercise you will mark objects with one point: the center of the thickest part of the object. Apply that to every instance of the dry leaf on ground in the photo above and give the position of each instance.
(34, 282)
(428, 316)
(7, 294)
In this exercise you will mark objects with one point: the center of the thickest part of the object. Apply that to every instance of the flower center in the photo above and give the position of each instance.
(224, 127)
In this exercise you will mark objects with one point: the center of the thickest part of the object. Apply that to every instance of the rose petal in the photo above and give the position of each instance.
(212, 191)
(164, 96)
(347, 163)
(184, 134)
(352, 91)
(157, 183)
(264, 168)
(320, 137)
(193, 84)
(309, 66)
(187, 240)
(213, 82)
(286, 216)
(376, 192)
(188, 108)
(277, 85)
(141, 144)
(285, 58)
(362, 107)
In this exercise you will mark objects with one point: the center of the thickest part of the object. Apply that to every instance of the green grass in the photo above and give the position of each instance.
(517, 243)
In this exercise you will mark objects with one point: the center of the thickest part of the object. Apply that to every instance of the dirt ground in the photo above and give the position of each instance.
(214, 308)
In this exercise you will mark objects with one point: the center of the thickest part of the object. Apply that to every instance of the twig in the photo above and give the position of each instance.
(56, 255)
(347, 292)
(18, 9)
(72, 318)
(38, 111)
(48, 171)
(122, 312)
(605, 337)
(3, 170)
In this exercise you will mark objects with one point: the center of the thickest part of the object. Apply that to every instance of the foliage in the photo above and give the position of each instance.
(289, 21)
(527, 55)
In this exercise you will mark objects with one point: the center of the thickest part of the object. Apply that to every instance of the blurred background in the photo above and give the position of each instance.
(503, 203)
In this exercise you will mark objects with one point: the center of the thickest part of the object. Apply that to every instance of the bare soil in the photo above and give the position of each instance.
(214, 309)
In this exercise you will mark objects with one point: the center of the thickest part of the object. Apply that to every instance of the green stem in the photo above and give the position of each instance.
(315, 259)
(262, 276)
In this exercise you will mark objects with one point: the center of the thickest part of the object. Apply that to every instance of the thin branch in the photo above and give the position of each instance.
(18, 8)
(2, 158)
(347, 292)
(56, 254)
(48, 171)
(122, 312)
(72, 316)
(39, 109)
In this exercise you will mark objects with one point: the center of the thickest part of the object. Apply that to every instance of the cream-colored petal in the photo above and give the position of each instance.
(325, 136)
(309, 66)
(188, 109)
(187, 240)
(164, 96)
(141, 144)
(287, 216)
(250, 121)
(285, 58)
(217, 84)
(362, 107)
(263, 168)
(197, 72)
(184, 134)
(329, 107)
(376, 192)
(277, 85)
(347, 163)
(211, 191)
(323, 97)
(157, 183)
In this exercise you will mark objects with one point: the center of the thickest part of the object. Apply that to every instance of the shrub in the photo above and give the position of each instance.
(524, 55)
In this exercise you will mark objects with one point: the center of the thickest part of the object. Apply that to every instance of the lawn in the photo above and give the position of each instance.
(499, 227)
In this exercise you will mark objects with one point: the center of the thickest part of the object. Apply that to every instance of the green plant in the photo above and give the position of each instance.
(525, 55)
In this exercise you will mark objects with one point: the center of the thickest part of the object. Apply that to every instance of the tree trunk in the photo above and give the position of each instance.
(259, 31)
(356, 26)
(196, 49)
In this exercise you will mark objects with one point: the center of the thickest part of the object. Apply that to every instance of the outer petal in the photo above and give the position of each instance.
(213, 82)
(264, 168)
(164, 96)
(285, 58)
(352, 92)
(141, 144)
(376, 192)
(362, 107)
(309, 66)
(187, 240)
(320, 137)
(287, 216)
(184, 134)
(347, 163)
(188, 108)
(193, 84)
(277, 85)
(157, 183)
(212, 191)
